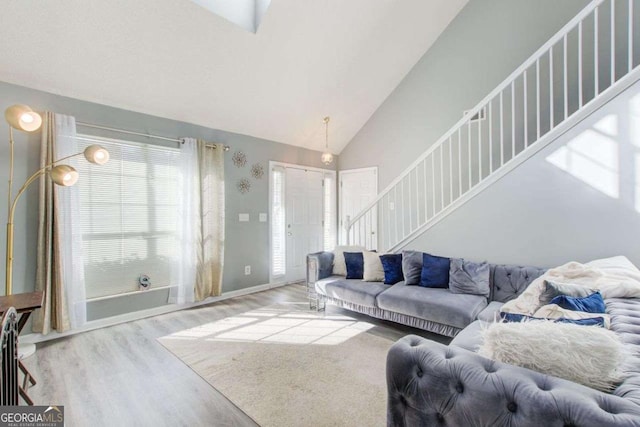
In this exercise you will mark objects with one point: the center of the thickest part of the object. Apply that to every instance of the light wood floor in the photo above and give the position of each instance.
(122, 376)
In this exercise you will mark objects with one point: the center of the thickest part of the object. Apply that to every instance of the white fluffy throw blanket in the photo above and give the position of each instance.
(614, 277)
(587, 355)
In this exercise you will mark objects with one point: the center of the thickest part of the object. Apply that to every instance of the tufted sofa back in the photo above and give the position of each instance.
(509, 281)
(506, 281)
(430, 384)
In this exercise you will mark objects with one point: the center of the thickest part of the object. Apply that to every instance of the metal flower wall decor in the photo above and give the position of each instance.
(239, 159)
(257, 171)
(244, 185)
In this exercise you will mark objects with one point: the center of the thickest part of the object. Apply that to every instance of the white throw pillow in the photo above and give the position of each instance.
(621, 279)
(339, 266)
(588, 355)
(619, 262)
(373, 271)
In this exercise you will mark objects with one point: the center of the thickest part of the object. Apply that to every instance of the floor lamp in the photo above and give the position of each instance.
(23, 118)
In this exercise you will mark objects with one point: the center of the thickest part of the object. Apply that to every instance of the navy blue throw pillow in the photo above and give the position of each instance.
(592, 321)
(591, 304)
(435, 271)
(355, 264)
(514, 317)
(392, 266)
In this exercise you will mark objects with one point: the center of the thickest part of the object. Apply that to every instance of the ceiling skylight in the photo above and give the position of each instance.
(244, 13)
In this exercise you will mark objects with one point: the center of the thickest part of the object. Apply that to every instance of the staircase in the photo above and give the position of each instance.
(586, 64)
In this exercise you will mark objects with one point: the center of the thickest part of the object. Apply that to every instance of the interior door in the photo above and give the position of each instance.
(358, 188)
(304, 214)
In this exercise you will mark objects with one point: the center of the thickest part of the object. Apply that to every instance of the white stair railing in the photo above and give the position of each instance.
(590, 59)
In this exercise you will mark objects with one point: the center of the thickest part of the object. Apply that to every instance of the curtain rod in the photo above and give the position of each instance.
(164, 138)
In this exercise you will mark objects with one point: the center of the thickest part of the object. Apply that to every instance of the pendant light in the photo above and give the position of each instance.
(327, 157)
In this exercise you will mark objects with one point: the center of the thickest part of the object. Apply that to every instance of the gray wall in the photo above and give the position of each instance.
(480, 48)
(246, 243)
(545, 215)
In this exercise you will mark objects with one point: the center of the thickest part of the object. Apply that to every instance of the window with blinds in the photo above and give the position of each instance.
(278, 212)
(128, 209)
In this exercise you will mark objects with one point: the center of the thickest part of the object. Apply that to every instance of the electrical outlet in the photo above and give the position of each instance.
(392, 206)
(247, 270)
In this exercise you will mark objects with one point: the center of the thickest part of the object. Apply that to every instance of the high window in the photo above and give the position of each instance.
(247, 14)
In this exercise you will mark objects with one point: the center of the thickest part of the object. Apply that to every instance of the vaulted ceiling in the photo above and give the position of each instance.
(176, 59)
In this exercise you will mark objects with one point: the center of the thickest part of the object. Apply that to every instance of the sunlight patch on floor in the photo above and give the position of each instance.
(278, 325)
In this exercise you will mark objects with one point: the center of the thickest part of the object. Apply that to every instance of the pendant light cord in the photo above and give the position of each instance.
(326, 135)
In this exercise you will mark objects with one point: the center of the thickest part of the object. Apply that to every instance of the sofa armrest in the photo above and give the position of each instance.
(432, 384)
(319, 266)
(491, 313)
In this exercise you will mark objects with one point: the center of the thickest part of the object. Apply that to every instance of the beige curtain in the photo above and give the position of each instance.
(54, 312)
(211, 254)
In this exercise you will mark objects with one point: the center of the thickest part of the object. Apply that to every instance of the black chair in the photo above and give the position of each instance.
(9, 382)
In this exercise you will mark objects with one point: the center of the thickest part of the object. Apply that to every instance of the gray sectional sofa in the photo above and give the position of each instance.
(430, 384)
(432, 309)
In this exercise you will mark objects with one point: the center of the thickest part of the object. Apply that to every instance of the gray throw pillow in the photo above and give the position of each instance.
(466, 277)
(411, 267)
(553, 289)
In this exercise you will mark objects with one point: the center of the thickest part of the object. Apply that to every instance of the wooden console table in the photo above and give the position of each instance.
(24, 304)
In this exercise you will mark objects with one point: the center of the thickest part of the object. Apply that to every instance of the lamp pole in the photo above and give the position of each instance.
(9, 252)
(71, 175)
(62, 175)
(23, 118)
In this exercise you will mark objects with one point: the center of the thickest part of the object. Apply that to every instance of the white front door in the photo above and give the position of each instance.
(358, 188)
(303, 219)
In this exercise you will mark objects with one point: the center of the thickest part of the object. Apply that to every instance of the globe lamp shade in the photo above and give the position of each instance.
(23, 118)
(96, 154)
(64, 175)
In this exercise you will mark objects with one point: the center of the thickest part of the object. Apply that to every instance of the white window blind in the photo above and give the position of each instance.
(128, 210)
(330, 219)
(278, 238)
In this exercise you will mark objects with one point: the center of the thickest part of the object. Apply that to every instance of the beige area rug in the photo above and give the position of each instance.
(284, 365)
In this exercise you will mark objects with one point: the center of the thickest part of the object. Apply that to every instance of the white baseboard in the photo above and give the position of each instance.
(142, 314)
